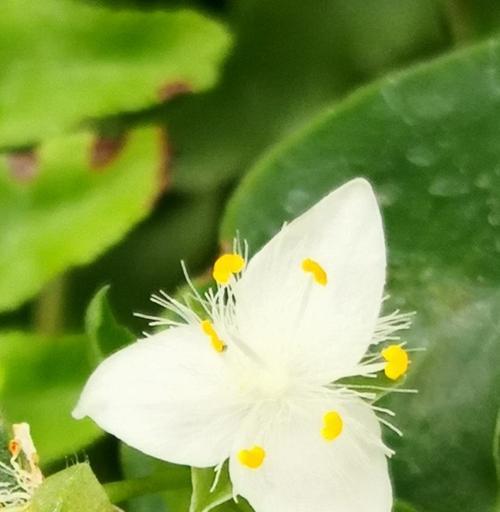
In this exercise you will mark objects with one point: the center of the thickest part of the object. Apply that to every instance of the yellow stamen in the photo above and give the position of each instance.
(332, 425)
(208, 329)
(252, 458)
(317, 271)
(226, 266)
(397, 361)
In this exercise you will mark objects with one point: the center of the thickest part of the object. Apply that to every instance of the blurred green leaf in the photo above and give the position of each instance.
(290, 60)
(148, 259)
(74, 60)
(427, 139)
(203, 500)
(75, 489)
(41, 380)
(71, 210)
(470, 19)
(105, 333)
(172, 478)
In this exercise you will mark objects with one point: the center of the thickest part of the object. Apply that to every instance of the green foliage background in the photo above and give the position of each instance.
(136, 133)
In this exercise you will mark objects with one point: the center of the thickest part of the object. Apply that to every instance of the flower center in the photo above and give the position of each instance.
(258, 383)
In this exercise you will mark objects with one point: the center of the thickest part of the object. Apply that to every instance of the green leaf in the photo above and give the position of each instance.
(314, 52)
(458, 380)
(171, 487)
(427, 139)
(401, 506)
(75, 60)
(75, 489)
(496, 455)
(71, 211)
(105, 333)
(202, 499)
(42, 378)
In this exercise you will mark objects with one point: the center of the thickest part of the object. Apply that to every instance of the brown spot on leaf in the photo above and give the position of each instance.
(163, 173)
(104, 150)
(23, 165)
(172, 89)
(166, 153)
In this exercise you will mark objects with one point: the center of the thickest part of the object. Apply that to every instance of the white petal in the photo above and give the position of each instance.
(302, 472)
(167, 396)
(282, 310)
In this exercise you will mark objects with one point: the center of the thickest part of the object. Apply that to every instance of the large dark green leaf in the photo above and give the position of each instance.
(70, 210)
(496, 455)
(64, 61)
(400, 506)
(458, 381)
(40, 381)
(427, 138)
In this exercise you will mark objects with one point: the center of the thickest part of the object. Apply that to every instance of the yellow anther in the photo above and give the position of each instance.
(208, 329)
(252, 458)
(226, 266)
(332, 425)
(14, 447)
(317, 271)
(397, 361)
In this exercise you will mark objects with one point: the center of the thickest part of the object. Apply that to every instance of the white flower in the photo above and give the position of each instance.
(21, 476)
(256, 379)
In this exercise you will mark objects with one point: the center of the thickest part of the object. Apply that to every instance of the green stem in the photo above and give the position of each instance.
(119, 492)
(48, 315)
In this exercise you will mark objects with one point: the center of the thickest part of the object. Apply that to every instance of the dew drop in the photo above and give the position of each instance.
(448, 186)
(421, 156)
(483, 181)
(388, 194)
(494, 218)
(297, 201)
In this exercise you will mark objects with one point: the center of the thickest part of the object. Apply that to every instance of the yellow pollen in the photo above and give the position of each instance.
(332, 425)
(226, 266)
(397, 361)
(252, 458)
(208, 329)
(317, 271)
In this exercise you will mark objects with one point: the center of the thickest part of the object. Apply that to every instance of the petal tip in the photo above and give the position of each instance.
(360, 184)
(78, 412)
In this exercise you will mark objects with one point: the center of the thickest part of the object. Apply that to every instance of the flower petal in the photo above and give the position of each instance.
(168, 396)
(314, 291)
(303, 472)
